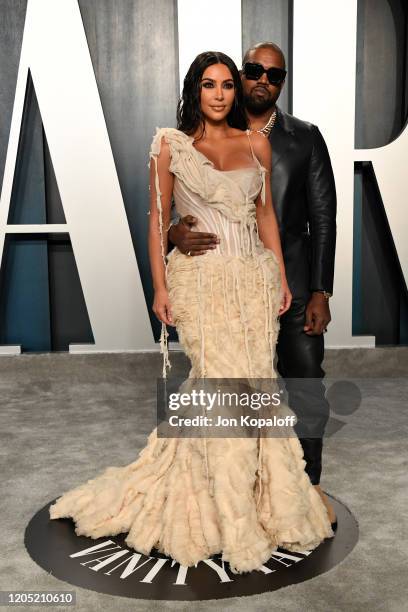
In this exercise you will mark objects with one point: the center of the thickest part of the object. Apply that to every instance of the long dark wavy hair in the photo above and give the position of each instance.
(189, 115)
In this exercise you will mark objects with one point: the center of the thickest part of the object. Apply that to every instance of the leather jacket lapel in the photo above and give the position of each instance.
(280, 136)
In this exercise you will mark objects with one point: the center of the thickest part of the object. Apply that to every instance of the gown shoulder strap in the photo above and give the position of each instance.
(176, 139)
(251, 147)
(261, 169)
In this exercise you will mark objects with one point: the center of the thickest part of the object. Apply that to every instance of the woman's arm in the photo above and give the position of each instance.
(267, 222)
(161, 189)
(159, 171)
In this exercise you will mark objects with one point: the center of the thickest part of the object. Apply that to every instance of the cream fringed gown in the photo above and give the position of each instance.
(191, 498)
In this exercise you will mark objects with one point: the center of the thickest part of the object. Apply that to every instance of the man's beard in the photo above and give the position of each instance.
(258, 106)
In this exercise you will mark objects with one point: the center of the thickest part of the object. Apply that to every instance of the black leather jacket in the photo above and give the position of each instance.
(304, 197)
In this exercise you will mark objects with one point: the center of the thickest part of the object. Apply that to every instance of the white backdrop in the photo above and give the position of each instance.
(55, 50)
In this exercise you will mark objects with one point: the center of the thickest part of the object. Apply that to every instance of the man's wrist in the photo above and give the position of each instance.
(326, 294)
(174, 220)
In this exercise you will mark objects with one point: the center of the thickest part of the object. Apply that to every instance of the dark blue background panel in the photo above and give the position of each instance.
(380, 298)
(24, 291)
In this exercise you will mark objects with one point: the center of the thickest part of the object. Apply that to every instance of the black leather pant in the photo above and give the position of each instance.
(301, 356)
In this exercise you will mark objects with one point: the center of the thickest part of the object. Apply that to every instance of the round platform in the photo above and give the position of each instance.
(107, 565)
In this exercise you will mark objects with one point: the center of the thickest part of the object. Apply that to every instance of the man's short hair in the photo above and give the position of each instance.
(264, 45)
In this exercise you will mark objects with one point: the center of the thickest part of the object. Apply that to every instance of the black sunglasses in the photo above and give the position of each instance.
(253, 72)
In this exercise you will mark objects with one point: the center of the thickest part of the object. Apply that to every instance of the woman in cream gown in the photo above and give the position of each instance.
(191, 498)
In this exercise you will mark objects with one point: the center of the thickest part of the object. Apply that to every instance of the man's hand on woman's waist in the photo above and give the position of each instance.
(188, 241)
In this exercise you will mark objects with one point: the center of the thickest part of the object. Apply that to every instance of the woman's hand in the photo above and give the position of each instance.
(162, 306)
(286, 297)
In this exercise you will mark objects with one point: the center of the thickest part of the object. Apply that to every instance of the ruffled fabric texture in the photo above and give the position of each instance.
(192, 498)
(226, 312)
(215, 188)
(162, 500)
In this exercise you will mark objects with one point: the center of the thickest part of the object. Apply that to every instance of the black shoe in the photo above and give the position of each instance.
(334, 525)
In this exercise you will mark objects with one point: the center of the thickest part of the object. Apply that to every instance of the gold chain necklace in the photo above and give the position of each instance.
(266, 130)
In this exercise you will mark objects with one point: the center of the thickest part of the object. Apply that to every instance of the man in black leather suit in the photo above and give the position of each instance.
(304, 197)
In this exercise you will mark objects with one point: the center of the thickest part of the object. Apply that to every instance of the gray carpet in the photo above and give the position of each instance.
(66, 417)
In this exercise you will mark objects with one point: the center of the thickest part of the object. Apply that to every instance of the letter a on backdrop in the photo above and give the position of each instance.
(55, 50)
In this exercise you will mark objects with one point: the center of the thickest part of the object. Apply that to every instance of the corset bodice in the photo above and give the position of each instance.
(223, 201)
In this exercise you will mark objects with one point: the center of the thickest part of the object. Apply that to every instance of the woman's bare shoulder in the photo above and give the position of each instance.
(260, 141)
(262, 147)
(236, 132)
